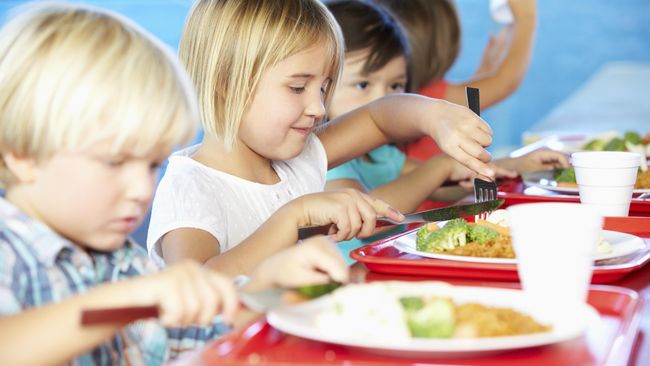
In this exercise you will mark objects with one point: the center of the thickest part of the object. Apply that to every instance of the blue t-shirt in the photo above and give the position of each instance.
(385, 165)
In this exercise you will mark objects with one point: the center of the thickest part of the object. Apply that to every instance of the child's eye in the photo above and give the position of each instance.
(297, 89)
(114, 162)
(398, 87)
(362, 85)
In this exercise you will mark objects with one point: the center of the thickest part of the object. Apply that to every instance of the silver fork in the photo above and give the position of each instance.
(484, 190)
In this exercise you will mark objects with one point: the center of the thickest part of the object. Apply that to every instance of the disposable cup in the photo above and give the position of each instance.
(555, 244)
(606, 180)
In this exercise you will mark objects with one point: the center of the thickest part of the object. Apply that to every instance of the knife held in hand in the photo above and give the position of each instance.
(436, 214)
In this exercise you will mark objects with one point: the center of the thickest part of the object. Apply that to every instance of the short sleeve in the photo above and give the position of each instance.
(344, 171)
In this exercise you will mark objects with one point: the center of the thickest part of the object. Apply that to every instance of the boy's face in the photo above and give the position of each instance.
(287, 105)
(92, 197)
(358, 88)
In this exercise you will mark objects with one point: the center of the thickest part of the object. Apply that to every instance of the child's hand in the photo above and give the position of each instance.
(188, 294)
(463, 135)
(494, 53)
(313, 261)
(542, 159)
(353, 213)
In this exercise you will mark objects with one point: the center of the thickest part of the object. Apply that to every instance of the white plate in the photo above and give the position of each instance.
(544, 179)
(622, 244)
(300, 320)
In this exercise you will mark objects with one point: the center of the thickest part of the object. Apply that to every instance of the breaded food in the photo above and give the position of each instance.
(476, 320)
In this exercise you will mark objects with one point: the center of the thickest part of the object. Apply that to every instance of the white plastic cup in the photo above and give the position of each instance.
(555, 244)
(606, 179)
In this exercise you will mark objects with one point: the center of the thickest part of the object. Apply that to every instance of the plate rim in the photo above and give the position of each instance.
(511, 261)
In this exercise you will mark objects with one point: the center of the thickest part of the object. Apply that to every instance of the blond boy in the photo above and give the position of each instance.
(90, 106)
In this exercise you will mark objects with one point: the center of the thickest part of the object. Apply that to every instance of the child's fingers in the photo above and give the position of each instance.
(226, 297)
(475, 150)
(481, 136)
(472, 162)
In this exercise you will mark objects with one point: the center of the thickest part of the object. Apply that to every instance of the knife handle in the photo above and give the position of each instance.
(309, 231)
(118, 315)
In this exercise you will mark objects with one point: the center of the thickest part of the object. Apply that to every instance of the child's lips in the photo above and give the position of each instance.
(127, 224)
(303, 130)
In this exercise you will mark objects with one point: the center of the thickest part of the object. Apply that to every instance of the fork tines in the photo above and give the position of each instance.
(484, 191)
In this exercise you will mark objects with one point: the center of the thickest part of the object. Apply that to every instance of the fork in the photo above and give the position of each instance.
(483, 190)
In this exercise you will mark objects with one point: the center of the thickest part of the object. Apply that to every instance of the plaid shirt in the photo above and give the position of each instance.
(38, 267)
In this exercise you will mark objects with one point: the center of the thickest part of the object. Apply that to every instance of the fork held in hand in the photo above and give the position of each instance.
(484, 191)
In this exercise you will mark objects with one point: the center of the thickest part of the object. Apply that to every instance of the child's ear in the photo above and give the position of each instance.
(23, 169)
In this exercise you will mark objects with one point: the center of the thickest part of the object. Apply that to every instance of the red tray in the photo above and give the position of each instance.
(611, 343)
(514, 192)
(382, 257)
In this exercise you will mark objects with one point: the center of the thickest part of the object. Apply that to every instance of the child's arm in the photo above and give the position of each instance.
(541, 159)
(417, 183)
(403, 117)
(52, 334)
(511, 71)
(352, 212)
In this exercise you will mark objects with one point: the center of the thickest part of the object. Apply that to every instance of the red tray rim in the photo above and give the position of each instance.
(620, 349)
(367, 255)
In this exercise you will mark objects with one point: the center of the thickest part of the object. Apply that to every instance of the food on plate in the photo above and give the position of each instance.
(314, 291)
(458, 237)
(397, 311)
(613, 141)
(488, 238)
(566, 177)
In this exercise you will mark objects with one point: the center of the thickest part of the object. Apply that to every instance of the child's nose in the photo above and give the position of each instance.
(316, 108)
(141, 186)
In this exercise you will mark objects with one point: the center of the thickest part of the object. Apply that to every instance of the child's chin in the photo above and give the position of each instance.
(107, 245)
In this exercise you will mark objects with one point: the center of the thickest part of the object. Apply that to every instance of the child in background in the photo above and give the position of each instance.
(376, 64)
(264, 71)
(434, 31)
(90, 106)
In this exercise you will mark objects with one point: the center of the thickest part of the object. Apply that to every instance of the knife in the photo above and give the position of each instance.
(437, 214)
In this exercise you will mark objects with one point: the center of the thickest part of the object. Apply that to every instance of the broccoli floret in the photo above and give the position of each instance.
(314, 291)
(615, 144)
(481, 234)
(456, 223)
(595, 145)
(430, 318)
(453, 234)
(632, 137)
(567, 175)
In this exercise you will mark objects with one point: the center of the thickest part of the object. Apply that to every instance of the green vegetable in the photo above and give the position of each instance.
(632, 137)
(482, 234)
(595, 145)
(453, 234)
(567, 175)
(430, 318)
(314, 291)
(615, 144)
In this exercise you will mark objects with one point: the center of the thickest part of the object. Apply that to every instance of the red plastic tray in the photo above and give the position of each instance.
(514, 193)
(611, 343)
(382, 257)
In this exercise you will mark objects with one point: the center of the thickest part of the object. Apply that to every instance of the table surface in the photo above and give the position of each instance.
(615, 98)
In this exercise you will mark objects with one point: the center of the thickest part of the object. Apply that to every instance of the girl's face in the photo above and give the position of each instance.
(93, 198)
(287, 105)
(358, 88)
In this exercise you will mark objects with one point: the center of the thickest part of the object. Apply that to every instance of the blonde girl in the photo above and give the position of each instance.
(264, 72)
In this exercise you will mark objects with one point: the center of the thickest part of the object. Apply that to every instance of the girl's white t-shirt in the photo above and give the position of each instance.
(192, 195)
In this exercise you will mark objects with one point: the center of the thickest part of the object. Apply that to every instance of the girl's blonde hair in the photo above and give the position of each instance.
(73, 75)
(433, 28)
(228, 44)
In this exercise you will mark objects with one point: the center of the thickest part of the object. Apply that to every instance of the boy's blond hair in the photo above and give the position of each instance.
(73, 75)
(433, 28)
(228, 44)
